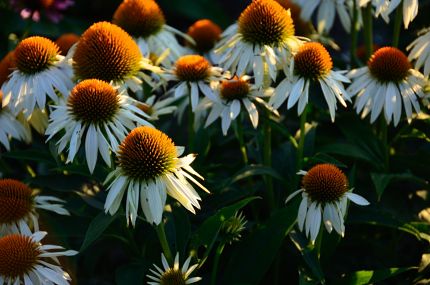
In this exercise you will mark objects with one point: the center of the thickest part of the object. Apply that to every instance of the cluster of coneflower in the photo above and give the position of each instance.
(104, 94)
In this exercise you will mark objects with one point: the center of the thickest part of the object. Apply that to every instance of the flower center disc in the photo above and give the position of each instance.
(234, 89)
(18, 255)
(312, 61)
(192, 68)
(106, 52)
(325, 183)
(205, 33)
(66, 41)
(16, 201)
(140, 18)
(146, 153)
(6, 66)
(93, 101)
(172, 277)
(35, 54)
(265, 22)
(389, 64)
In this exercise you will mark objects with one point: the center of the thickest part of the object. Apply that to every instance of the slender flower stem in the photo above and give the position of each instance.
(300, 149)
(354, 35)
(163, 241)
(218, 253)
(240, 138)
(267, 159)
(383, 130)
(397, 25)
(190, 127)
(368, 29)
(318, 242)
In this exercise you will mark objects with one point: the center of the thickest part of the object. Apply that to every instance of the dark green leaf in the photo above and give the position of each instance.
(207, 234)
(96, 229)
(133, 273)
(378, 217)
(370, 276)
(382, 180)
(254, 170)
(253, 256)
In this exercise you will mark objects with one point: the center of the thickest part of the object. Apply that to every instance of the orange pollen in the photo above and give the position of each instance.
(146, 153)
(325, 183)
(16, 201)
(18, 255)
(205, 33)
(234, 89)
(1, 100)
(140, 18)
(7, 64)
(93, 101)
(388, 64)
(35, 54)
(66, 41)
(106, 52)
(192, 68)
(265, 22)
(312, 61)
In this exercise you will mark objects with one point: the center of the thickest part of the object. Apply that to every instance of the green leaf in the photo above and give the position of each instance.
(254, 170)
(309, 255)
(379, 217)
(96, 228)
(348, 150)
(382, 180)
(133, 273)
(63, 183)
(207, 234)
(38, 155)
(370, 276)
(252, 257)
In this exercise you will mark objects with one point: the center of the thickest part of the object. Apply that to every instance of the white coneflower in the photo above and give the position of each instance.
(10, 127)
(24, 260)
(384, 83)
(19, 205)
(262, 39)
(205, 34)
(325, 196)
(173, 275)
(149, 167)
(410, 10)
(420, 51)
(312, 64)
(107, 52)
(195, 74)
(154, 107)
(144, 20)
(97, 112)
(231, 96)
(326, 13)
(40, 72)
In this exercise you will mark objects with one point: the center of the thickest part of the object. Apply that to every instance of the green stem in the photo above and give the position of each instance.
(383, 129)
(218, 253)
(190, 127)
(240, 138)
(300, 149)
(318, 242)
(267, 159)
(163, 241)
(368, 29)
(354, 35)
(397, 25)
